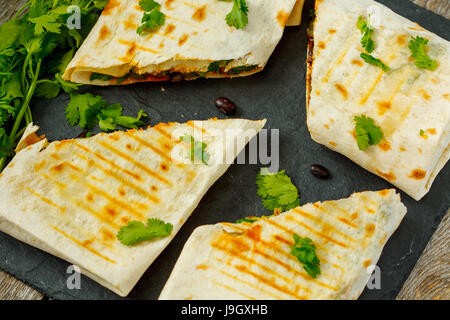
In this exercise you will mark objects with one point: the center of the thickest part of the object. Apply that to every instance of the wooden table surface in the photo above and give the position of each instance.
(430, 278)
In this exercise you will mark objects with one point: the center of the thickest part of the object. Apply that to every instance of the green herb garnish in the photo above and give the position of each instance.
(248, 220)
(374, 61)
(35, 49)
(99, 76)
(421, 132)
(86, 110)
(217, 65)
(198, 149)
(152, 19)
(366, 40)
(277, 191)
(136, 231)
(367, 133)
(423, 60)
(238, 17)
(305, 251)
(242, 69)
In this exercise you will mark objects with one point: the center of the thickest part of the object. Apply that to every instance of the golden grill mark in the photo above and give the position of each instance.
(230, 288)
(125, 182)
(84, 245)
(104, 33)
(131, 44)
(418, 174)
(254, 262)
(282, 18)
(37, 167)
(59, 184)
(193, 125)
(110, 162)
(46, 200)
(136, 163)
(159, 128)
(258, 288)
(200, 14)
(320, 221)
(387, 175)
(318, 233)
(156, 150)
(385, 146)
(367, 95)
(116, 202)
(184, 21)
(182, 40)
(347, 48)
(112, 4)
(169, 29)
(130, 22)
(342, 90)
(335, 206)
(269, 282)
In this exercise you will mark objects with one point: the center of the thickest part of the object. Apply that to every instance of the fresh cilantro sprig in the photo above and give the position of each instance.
(423, 60)
(374, 61)
(367, 133)
(152, 19)
(305, 251)
(366, 40)
(35, 49)
(277, 191)
(87, 110)
(238, 16)
(197, 150)
(137, 231)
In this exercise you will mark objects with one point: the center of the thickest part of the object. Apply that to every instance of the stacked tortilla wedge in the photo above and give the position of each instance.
(254, 261)
(193, 37)
(76, 194)
(411, 105)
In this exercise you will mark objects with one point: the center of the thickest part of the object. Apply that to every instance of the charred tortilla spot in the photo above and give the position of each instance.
(367, 263)
(89, 197)
(202, 267)
(401, 39)
(331, 31)
(334, 144)
(370, 230)
(58, 168)
(168, 4)
(164, 167)
(183, 39)
(402, 149)
(322, 45)
(122, 192)
(425, 95)
(282, 18)
(389, 176)
(124, 220)
(200, 14)
(385, 146)
(357, 63)
(254, 233)
(37, 167)
(418, 174)
(104, 34)
(342, 90)
(169, 29)
(112, 4)
(383, 106)
(111, 211)
(130, 23)
(432, 131)
(107, 235)
(154, 188)
(129, 147)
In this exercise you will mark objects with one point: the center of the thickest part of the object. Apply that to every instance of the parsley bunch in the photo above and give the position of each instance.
(86, 111)
(305, 251)
(277, 191)
(35, 50)
(423, 60)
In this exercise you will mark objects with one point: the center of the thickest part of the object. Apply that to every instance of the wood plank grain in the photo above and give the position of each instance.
(430, 278)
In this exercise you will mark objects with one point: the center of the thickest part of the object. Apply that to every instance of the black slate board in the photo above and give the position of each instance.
(278, 94)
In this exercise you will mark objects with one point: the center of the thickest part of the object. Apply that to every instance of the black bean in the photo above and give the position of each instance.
(176, 77)
(226, 106)
(320, 171)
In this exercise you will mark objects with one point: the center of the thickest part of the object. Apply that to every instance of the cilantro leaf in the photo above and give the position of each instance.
(198, 149)
(423, 60)
(151, 22)
(137, 231)
(367, 133)
(107, 124)
(149, 5)
(277, 191)
(48, 89)
(374, 61)
(47, 23)
(99, 76)
(217, 65)
(305, 251)
(238, 17)
(130, 122)
(83, 109)
(248, 220)
(366, 40)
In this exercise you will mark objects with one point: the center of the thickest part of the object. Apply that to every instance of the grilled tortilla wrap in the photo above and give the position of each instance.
(194, 35)
(409, 104)
(70, 198)
(253, 261)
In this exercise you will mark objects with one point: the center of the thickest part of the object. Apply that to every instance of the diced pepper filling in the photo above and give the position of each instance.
(215, 68)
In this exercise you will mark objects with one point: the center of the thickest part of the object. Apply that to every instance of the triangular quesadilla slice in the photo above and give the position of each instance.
(71, 198)
(193, 41)
(379, 92)
(255, 260)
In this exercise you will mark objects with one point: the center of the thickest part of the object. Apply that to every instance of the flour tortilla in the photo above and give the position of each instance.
(253, 261)
(194, 35)
(295, 18)
(69, 198)
(402, 102)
